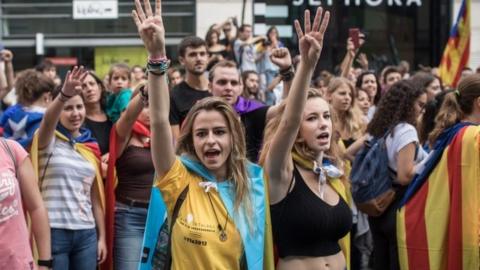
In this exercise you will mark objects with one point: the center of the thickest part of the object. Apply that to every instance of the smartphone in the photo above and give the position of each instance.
(354, 34)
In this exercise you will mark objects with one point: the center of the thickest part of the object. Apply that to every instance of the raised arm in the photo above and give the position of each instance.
(71, 87)
(310, 47)
(281, 57)
(7, 57)
(124, 125)
(151, 30)
(347, 61)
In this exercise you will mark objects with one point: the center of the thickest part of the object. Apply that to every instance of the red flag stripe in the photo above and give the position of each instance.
(416, 230)
(454, 257)
(463, 63)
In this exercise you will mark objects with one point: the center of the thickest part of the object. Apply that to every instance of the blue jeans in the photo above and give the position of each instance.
(129, 229)
(74, 249)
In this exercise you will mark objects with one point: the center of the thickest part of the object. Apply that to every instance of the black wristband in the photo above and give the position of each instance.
(287, 74)
(144, 95)
(46, 263)
(65, 97)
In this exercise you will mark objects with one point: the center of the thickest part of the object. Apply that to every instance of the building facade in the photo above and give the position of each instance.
(100, 32)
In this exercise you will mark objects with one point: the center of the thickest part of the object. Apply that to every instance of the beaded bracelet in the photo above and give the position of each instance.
(158, 68)
(157, 59)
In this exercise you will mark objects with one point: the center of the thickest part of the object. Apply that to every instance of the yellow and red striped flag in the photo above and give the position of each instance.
(438, 227)
(457, 52)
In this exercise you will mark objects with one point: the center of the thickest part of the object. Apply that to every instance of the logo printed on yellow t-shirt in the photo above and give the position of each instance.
(189, 218)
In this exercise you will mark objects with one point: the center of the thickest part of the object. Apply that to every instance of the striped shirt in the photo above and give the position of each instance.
(66, 187)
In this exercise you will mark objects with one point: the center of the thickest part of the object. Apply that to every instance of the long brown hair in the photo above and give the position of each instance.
(351, 121)
(334, 154)
(457, 105)
(236, 161)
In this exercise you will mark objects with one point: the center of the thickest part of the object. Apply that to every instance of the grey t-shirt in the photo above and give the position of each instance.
(66, 187)
(246, 55)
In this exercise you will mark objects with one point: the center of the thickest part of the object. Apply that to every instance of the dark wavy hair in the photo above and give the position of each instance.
(359, 82)
(396, 106)
(103, 89)
(428, 120)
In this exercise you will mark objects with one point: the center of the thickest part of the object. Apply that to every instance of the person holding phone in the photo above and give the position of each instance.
(355, 40)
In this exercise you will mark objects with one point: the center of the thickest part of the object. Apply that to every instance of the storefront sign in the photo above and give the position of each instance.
(64, 61)
(370, 3)
(107, 56)
(85, 9)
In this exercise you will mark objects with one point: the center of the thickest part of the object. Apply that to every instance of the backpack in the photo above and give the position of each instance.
(371, 178)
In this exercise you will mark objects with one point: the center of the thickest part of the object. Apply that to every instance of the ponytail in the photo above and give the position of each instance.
(449, 114)
(456, 106)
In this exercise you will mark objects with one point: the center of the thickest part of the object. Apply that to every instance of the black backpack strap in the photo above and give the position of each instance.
(176, 209)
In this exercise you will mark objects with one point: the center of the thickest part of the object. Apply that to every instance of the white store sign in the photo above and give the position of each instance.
(371, 3)
(86, 9)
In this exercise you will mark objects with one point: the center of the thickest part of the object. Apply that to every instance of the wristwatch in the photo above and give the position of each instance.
(46, 263)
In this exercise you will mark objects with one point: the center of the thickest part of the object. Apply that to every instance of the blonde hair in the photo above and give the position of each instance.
(236, 161)
(456, 105)
(334, 154)
(351, 121)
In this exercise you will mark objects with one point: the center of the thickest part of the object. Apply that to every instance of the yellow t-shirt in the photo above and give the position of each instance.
(196, 238)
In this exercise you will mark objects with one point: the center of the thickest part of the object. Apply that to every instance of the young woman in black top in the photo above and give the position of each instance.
(308, 202)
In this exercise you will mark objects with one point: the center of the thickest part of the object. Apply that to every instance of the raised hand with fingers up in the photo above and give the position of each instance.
(150, 27)
(74, 81)
(310, 42)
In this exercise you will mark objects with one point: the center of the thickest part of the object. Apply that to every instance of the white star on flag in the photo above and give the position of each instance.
(19, 128)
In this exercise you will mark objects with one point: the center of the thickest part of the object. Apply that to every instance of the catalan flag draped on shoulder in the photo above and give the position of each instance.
(457, 52)
(439, 220)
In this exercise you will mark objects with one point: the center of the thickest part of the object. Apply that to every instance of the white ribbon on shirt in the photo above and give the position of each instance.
(208, 185)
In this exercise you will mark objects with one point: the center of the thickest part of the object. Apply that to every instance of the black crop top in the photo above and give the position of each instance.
(305, 225)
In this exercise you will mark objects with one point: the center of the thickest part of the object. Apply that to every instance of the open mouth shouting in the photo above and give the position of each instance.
(323, 138)
(212, 154)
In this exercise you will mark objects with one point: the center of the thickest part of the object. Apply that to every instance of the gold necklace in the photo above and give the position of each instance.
(223, 231)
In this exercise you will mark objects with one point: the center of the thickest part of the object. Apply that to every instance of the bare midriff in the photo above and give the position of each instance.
(333, 262)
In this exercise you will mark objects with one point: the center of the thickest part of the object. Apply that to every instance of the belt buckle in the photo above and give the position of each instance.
(136, 203)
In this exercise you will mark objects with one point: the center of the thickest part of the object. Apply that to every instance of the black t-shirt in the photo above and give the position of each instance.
(182, 98)
(254, 123)
(101, 132)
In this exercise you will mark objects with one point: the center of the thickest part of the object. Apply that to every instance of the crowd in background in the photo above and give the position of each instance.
(232, 104)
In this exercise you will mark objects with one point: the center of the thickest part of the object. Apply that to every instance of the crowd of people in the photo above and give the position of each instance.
(237, 158)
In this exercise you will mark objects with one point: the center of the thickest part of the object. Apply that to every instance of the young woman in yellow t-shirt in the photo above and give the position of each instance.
(221, 223)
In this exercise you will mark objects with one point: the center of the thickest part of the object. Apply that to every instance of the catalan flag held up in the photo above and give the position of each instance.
(457, 52)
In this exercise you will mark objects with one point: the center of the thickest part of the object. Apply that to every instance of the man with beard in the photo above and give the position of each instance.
(193, 57)
(251, 85)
